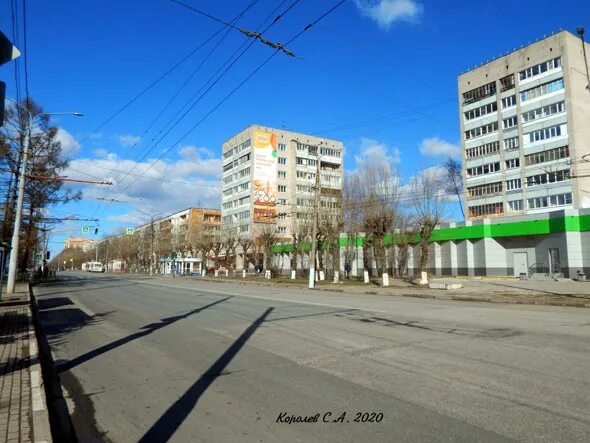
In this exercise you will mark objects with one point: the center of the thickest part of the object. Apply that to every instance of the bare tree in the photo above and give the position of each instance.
(301, 232)
(454, 180)
(430, 204)
(331, 223)
(376, 189)
(267, 237)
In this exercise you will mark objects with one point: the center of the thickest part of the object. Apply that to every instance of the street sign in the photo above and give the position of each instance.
(85, 230)
(8, 51)
(130, 231)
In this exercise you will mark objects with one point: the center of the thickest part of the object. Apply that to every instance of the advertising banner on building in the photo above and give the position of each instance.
(264, 181)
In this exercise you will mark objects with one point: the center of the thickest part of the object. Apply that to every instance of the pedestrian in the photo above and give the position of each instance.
(347, 270)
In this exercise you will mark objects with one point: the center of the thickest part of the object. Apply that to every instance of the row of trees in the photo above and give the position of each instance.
(42, 187)
(375, 206)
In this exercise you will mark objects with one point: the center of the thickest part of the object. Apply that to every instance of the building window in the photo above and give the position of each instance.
(484, 190)
(547, 177)
(481, 130)
(282, 147)
(510, 122)
(507, 83)
(538, 91)
(544, 111)
(244, 186)
(282, 201)
(484, 169)
(282, 188)
(244, 200)
(482, 110)
(244, 228)
(480, 93)
(282, 229)
(553, 200)
(282, 161)
(282, 216)
(512, 163)
(491, 208)
(244, 215)
(513, 184)
(330, 152)
(509, 102)
(511, 143)
(546, 133)
(547, 156)
(515, 205)
(244, 158)
(540, 68)
(282, 174)
(227, 180)
(244, 172)
(485, 149)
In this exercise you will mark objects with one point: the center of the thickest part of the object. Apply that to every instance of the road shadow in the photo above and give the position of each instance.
(170, 421)
(95, 287)
(54, 302)
(57, 323)
(145, 330)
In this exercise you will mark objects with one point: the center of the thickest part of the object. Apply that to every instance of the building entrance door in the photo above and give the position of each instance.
(521, 263)
(554, 265)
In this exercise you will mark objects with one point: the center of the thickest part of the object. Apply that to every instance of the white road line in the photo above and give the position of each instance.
(261, 297)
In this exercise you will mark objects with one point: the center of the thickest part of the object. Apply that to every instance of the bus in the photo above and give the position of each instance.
(93, 266)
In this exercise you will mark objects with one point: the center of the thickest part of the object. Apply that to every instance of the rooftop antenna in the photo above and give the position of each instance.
(580, 32)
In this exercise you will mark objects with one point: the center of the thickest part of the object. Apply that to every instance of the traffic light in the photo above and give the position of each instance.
(95, 231)
(48, 255)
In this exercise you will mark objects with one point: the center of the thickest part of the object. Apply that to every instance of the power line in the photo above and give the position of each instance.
(235, 89)
(177, 119)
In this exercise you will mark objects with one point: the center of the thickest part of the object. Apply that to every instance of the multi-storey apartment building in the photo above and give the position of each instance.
(271, 176)
(79, 243)
(525, 130)
(179, 232)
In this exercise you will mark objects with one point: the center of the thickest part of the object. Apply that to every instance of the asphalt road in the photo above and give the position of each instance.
(145, 359)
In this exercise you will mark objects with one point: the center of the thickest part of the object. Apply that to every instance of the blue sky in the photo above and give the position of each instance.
(381, 75)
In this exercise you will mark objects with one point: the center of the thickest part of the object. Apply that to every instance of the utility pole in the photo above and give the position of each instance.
(152, 247)
(13, 264)
(44, 247)
(314, 230)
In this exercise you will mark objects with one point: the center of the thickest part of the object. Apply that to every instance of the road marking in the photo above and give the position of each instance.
(261, 297)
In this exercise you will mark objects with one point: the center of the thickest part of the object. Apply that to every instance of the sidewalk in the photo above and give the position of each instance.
(23, 415)
(552, 293)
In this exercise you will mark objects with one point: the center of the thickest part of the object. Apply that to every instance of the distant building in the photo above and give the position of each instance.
(269, 177)
(181, 231)
(79, 243)
(525, 131)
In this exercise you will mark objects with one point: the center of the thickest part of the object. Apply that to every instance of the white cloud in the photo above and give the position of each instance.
(166, 187)
(69, 145)
(100, 152)
(435, 147)
(128, 140)
(388, 12)
(375, 152)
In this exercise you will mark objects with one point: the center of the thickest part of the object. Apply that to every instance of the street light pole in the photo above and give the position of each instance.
(314, 230)
(13, 264)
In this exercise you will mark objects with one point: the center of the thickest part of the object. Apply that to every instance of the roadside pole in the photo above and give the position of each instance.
(314, 230)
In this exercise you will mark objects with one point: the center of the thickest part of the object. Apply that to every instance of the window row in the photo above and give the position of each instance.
(552, 200)
(484, 190)
(306, 175)
(507, 102)
(514, 205)
(547, 156)
(540, 68)
(481, 130)
(244, 172)
(282, 147)
(538, 91)
(483, 169)
(548, 177)
(485, 149)
(282, 188)
(480, 93)
(282, 174)
(513, 163)
(331, 152)
(482, 110)
(510, 122)
(544, 134)
(487, 209)
(507, 83)
(511, 143)
(544, 111)
(241, 147)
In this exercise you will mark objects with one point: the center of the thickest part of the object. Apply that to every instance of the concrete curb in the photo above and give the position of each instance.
(40, 416)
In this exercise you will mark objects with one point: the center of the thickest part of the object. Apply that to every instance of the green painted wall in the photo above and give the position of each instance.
(501, 229)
